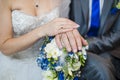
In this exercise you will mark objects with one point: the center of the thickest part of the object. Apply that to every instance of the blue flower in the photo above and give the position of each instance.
(42, 53)
(60, 75)
(76, 78)
(114, 10)
(54, 65)
(43, 63)
(70, 53)
(43, 46)
(50, 38)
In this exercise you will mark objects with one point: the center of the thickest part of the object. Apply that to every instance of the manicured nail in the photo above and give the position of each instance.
(69, 49)
(77, 25)
(75, 50)
(86, 41)
(79, 48)
(60, 47)
(87, 47)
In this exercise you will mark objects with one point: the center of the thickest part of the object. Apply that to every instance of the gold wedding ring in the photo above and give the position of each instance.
(61, 27)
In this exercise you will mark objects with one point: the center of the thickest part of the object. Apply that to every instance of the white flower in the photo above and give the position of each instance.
(49, 75)
(58, 68)
(49, 55)
(76, 66)
(52, 50)
(70, 72)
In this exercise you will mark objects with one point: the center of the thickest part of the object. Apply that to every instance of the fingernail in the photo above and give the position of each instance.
(77, 25)
(69, 49)
(75, 50)
(86, 41)
(79, 48)
(60, 47)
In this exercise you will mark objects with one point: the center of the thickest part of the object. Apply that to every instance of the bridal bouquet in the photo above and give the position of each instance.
(59, 64)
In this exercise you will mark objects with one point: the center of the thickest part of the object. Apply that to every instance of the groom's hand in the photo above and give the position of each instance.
(72, 40)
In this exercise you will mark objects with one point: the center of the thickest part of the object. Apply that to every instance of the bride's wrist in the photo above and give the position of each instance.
(41, 32)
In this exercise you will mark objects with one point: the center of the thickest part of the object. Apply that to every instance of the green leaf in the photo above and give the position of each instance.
(64, 50)
(65, 70)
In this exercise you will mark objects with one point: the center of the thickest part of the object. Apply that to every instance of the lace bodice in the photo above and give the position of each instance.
(23, 23)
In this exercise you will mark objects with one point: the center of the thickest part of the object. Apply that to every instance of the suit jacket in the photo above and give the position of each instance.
(109, 32)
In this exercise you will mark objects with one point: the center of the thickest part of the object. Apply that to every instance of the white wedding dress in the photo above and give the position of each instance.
(23, 65)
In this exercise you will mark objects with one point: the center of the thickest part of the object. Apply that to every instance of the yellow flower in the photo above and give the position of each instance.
(118, 5)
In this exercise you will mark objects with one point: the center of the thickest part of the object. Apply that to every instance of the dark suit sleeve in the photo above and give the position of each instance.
(107, 41)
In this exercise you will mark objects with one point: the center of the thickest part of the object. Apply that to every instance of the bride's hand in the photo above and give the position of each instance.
(58, 25)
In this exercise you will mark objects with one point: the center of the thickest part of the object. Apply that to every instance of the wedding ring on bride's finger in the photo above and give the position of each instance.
(61, 28)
